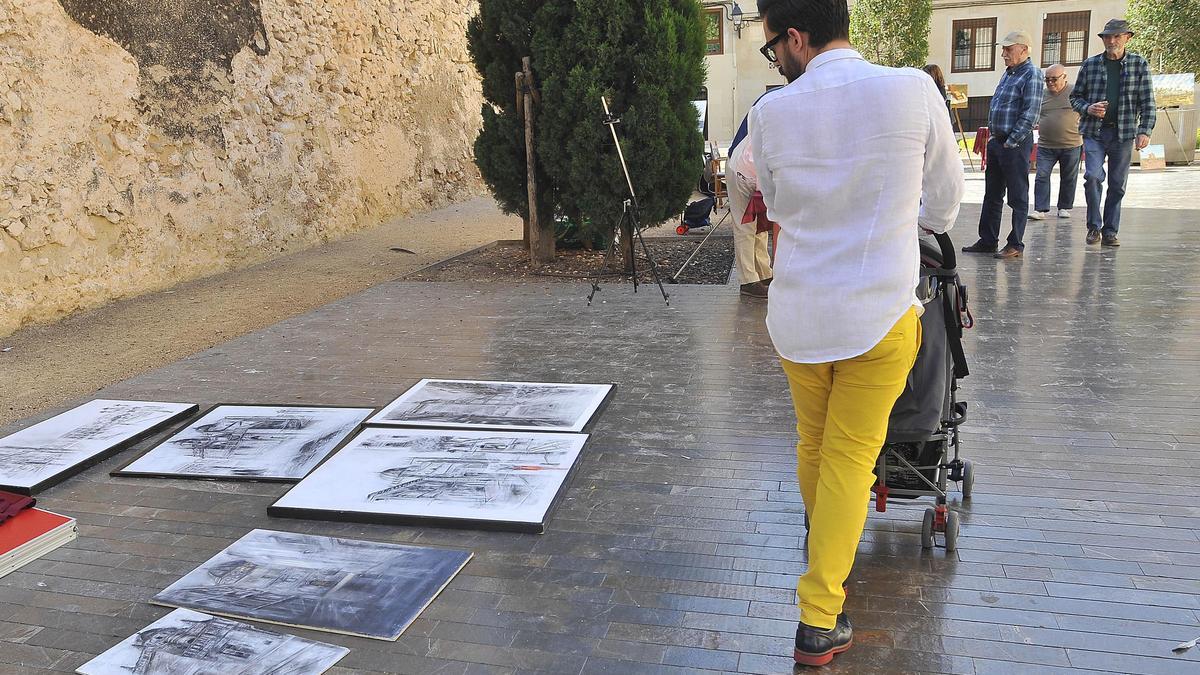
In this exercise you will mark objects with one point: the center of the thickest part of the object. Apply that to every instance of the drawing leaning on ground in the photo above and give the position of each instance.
(495, 405)
(190, 643)
(399, 474)
(263, 442)
(346, 586)
(52, 448)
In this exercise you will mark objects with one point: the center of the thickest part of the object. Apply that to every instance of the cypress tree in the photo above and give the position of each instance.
(498, 37)
(647, 57)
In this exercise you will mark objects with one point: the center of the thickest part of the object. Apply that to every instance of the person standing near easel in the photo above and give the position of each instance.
(935, 71)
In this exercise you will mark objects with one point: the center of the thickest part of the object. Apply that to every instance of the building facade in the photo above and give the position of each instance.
(964, 39)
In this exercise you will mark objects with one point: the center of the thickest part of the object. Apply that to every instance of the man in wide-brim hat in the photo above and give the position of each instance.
(1115, 99)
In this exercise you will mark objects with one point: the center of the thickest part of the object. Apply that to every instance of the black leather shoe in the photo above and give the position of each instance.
(980, 247)
(754, 289)
(1093, 237)
(817, 647)
(1110, 240)
(1008, 252)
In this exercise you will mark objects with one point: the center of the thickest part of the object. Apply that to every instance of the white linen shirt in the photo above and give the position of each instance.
(851, 157)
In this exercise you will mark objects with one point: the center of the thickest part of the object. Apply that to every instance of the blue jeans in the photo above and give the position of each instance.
(1067, 160)
(1119, 154)
(1007, 171)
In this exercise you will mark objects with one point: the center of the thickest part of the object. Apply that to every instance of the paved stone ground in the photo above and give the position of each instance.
(676, 547)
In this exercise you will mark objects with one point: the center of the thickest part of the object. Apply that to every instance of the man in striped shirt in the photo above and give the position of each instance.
(1014, 110)
(1115, 98)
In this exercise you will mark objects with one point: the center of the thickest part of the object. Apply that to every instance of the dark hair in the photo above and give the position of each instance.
(936, 73)
(823, 20)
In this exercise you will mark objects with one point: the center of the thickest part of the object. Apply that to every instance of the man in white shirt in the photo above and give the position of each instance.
(852, 158)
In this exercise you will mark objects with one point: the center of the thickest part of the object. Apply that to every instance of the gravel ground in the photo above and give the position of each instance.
(510, 262)
(50, 365)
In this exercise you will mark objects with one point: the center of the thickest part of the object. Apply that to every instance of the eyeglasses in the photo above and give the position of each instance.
(1053, 78)
(768, 50)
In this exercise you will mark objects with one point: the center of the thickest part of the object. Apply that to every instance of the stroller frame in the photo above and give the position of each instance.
(931, 477)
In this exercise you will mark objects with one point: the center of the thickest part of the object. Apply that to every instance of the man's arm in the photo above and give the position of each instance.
(1034, 90)
(1148, 109)
(1080, 96)
(942, 179)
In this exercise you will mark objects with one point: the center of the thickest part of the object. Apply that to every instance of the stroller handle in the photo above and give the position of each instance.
(949, 260)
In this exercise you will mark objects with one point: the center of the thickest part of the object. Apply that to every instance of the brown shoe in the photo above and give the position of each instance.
(1093, 237)
(1110, 240)
(754, 289)
(1008, 252)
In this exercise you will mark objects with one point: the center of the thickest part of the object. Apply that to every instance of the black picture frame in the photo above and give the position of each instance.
(416, 520)
(124, 472)
(101, 456)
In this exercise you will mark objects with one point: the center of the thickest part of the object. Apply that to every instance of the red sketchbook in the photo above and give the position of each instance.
(31, 534)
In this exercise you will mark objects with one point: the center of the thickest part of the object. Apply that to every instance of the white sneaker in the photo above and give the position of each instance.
(1064, 213)
(1037, 215)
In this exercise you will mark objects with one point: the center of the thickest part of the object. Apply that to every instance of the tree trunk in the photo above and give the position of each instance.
(541, 226)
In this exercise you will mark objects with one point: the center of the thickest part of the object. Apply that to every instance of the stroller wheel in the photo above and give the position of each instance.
(951, 531)
(927, 530)
(968, 479)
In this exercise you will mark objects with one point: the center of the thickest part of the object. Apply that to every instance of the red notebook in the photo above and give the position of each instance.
(30, 535)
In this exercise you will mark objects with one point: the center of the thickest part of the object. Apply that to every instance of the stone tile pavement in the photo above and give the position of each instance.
(676, 547)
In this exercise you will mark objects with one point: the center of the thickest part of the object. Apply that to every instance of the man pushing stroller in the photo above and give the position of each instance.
(842, 311)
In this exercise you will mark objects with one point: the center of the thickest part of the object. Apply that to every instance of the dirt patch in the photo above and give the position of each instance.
(508, 261)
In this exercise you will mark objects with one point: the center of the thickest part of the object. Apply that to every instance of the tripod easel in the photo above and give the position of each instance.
(629, 229)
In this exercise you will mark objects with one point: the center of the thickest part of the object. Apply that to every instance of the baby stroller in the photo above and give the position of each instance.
(921, 454)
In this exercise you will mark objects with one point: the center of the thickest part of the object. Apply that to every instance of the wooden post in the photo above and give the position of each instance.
(963, 135)
(520, 89)
(541, 226)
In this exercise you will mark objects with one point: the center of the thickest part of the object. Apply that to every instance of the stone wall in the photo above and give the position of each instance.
(145, 142)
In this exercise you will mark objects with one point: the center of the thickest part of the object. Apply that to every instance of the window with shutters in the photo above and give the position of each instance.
(714, 32)
(1064, 38)
(973, 45)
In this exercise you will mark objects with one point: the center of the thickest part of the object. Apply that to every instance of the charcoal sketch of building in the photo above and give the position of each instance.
(340, 585)
(52, 448)
(191, 643)
(411, 474)
(251, 442)
(511, 405)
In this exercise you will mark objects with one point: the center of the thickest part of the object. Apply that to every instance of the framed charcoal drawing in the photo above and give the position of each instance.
(250, 442)
(53, 450)
(448, 478)
(190, 643)
(473, 404)
(347, 586)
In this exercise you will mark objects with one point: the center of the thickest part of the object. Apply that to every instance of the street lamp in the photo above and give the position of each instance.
(737, 19)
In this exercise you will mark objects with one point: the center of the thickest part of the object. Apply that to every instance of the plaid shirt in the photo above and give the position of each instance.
(1137, 96)
(1017, 103)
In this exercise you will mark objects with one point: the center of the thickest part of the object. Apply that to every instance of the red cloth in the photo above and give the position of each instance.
(980, 148)
(12, 504)
(756, 211)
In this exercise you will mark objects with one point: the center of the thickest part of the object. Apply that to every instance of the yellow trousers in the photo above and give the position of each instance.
(842, 411)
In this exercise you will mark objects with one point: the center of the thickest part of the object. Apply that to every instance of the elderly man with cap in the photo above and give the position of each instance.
(1014, 110)
(1114, 94)
(1059, 143)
